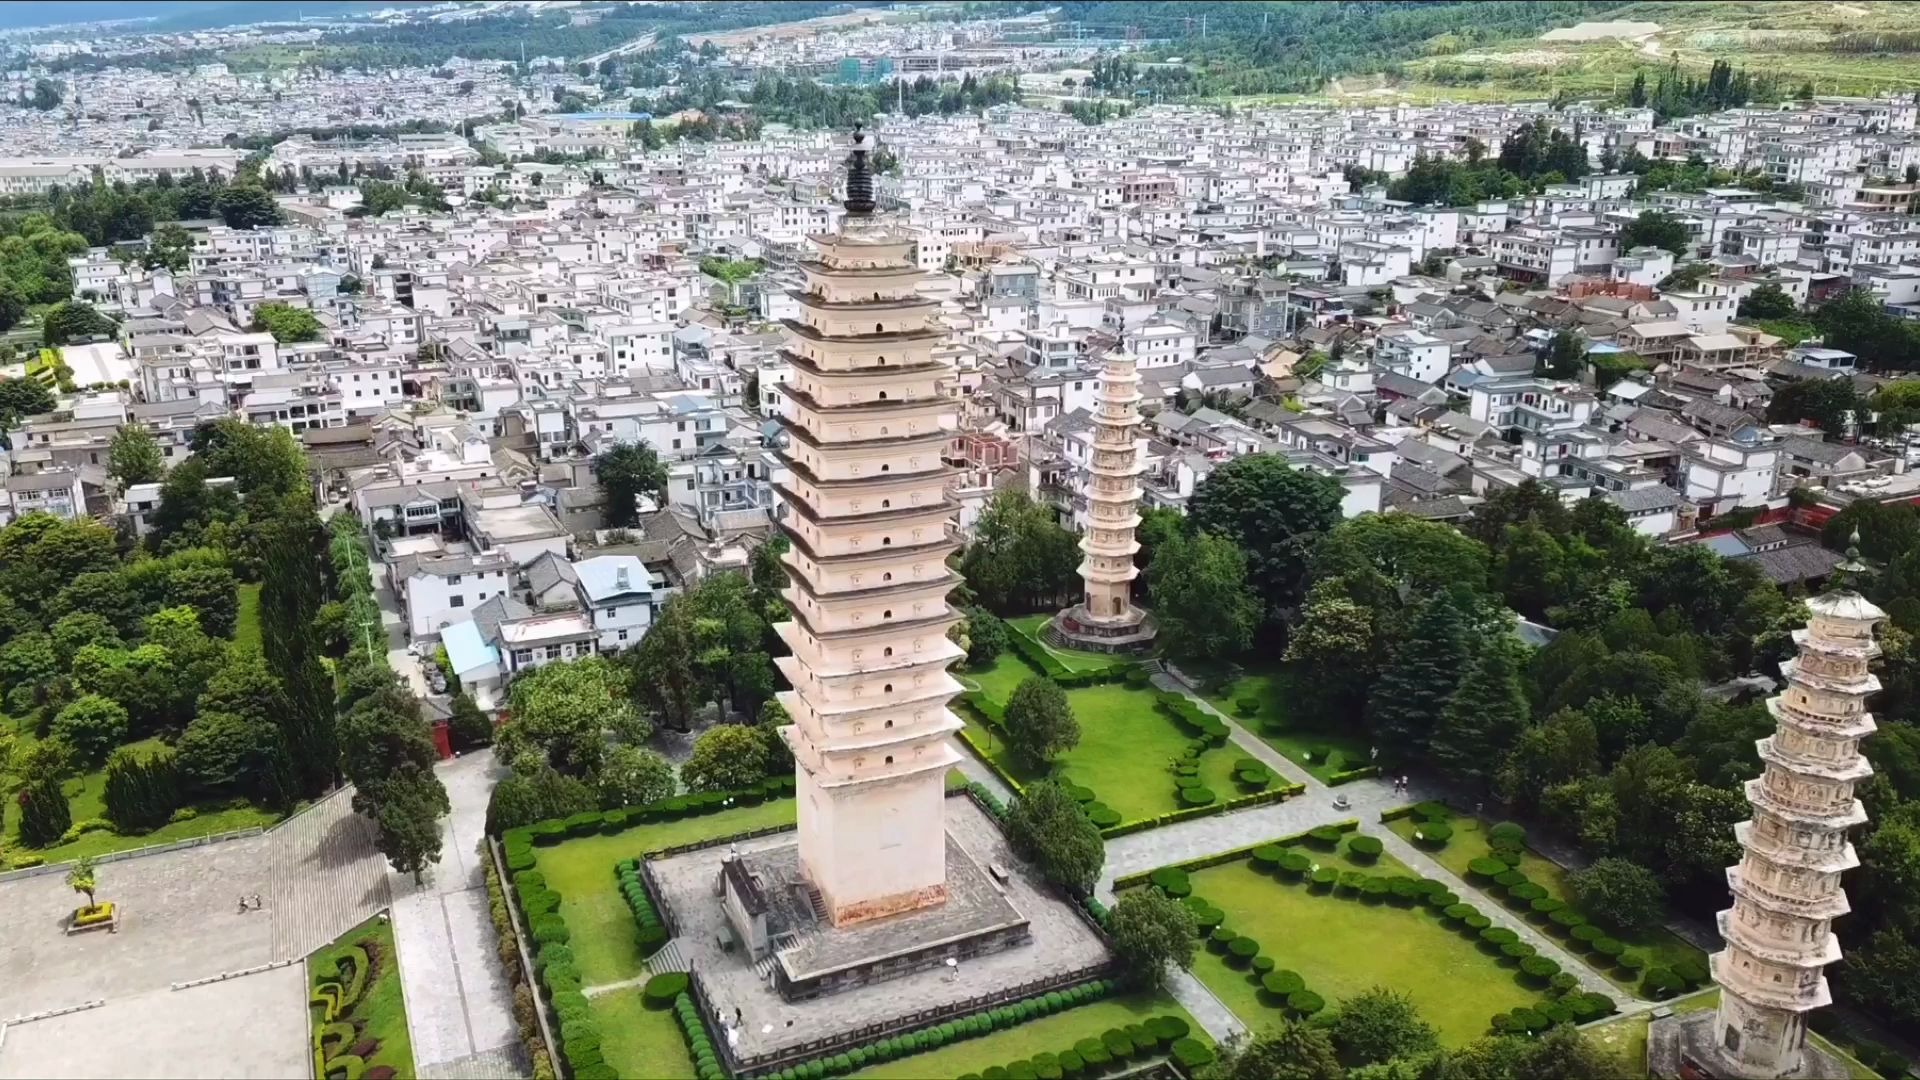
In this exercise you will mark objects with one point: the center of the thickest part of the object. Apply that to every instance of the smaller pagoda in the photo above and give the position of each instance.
(1107, 619)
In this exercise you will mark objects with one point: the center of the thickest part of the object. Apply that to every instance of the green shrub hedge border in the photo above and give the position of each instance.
(1114, 1045)
(1128, 881)
(955, 1029)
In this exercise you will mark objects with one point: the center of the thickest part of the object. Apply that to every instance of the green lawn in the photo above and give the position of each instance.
(1320, 753)
(1126, 745)
(381, 1012)
(1626, 1038)
(84, 802)
(1052, 1033)
(637, 1041)
(597, 917)
(246, 628)
(1662, 947)
(1342, 947)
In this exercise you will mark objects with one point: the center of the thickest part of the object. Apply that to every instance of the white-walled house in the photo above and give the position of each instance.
(444, 589)
(620, 598)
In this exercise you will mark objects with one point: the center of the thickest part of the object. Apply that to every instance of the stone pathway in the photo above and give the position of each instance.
(327, 875)
(459, 1001)
(1221, 1025)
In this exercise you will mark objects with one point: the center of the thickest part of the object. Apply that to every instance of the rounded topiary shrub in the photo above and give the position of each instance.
(1184, 781)
(1498, 936)
(1486, 868)
(1516, 950)
(1324, 878)
(662, 989)
(1246, 706)
(1262, 964)
(1631, 962)
(1442, 900)
(1119, 1047)
(1531, 1021)
(1326, 837)
(1207, 918)
(1690, 971)
(1253, 779)
(1508, 879)
(1171, 880)
(1282, 984)
(1242, 950)
(1564, 982)
(1374, 890)
(1660, 983)
(1091, 1052)
(1191, 1054)
(1294, 863)
(1071, 1063)
(1528, 892)
(1476, 922)
(1197, 796)
(1457, 912)
(1267, 856)
(1365, 849)
(1305, 1002)
(1102, 815)
(1545, 906)
(1586, 934)
(1221, 938)
(1539, 967)
(1609, 947)
(1168, 1028)
(1507, 833)
(1433, 835)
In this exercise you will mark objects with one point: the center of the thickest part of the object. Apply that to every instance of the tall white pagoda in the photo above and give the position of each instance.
(1107, 619)
(1786, 889)
(867, 517)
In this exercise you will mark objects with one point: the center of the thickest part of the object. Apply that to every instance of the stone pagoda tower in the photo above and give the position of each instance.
(1107, 619)
(1786, 890)
(866, 512)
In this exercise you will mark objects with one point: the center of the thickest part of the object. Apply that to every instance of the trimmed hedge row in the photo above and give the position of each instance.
(1279, 988)
(706, 1060)
(1274, 794)
(507, 946)
(1195, 719)
(959, 1029)
(1128, 881)
(549, 833)
(1114, 1046)
(1348, 775)
(652, 929)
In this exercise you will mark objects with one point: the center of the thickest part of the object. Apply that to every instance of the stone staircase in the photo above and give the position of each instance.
(818, 903)
(325, 878)
(668, 958)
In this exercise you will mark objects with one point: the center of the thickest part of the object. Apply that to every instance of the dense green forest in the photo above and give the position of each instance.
(1270, 48)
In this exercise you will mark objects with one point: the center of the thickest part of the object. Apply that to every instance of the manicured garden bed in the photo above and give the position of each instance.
(358, 1013)
(1052, 1033)
(605, 944)
(1126, 745)
(1339, 945)
(1659, 948)
(639, 1041)
(1322, 754)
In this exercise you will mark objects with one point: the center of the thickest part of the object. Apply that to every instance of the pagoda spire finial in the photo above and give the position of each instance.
(1846, 575)
(859, 199)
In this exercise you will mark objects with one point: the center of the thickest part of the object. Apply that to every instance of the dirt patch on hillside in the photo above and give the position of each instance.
(1602, 31)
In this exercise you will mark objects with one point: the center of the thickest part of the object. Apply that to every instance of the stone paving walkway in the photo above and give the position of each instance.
(459, 1001)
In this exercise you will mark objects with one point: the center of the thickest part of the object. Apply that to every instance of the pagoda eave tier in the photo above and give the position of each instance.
(925, 334)
(937, 436)
(1854, 726)
(890, 553)
(1817, 996)
(802, 363)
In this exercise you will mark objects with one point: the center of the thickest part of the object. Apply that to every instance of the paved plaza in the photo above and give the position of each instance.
(1061, 942)
(252, 1027)
(317, 876)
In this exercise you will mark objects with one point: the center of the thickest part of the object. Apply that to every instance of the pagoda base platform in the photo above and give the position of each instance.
(819, 988)
(1685, 1048)
(1075, 629)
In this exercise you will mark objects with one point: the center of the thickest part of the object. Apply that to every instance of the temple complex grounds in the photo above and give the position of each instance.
(639, 1041)
(1127, 743)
